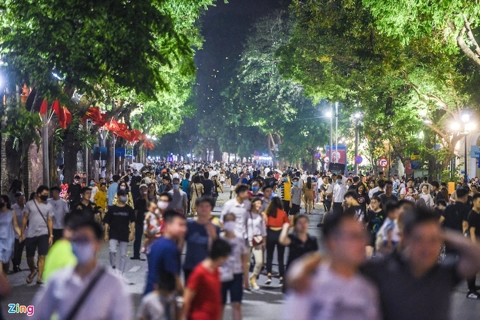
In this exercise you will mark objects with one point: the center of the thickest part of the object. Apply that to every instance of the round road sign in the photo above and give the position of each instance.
(383, 162)
(358, 159)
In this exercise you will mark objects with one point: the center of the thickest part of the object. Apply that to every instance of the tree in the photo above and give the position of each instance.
(451, 24)
(336, 52)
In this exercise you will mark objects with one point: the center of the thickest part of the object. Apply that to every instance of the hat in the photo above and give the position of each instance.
(18, 194)
(143, 185)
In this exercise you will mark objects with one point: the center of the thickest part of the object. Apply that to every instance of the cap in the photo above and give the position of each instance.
(143, 185)
(18, 194)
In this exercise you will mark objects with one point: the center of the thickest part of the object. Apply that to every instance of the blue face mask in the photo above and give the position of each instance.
(176, 186)
(285, 179)
(295, 184)
(255, 188)
(339, 181)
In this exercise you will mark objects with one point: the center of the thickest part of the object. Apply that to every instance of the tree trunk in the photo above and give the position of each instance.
(71, 148)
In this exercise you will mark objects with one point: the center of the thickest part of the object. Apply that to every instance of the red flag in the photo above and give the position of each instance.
(92, 113)
(136, 134)
(101, 120)
(44, 107)
(122, 126)
(63, 114)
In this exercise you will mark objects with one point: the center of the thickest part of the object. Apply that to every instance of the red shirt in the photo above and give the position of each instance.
(207, 304)
(279, 220)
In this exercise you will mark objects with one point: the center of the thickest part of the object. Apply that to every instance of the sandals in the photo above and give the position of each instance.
(31, 276)
(40, 282)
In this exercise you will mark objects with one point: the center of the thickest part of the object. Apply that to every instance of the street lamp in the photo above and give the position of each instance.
(464, 127)
(329, 114)
(357, 117)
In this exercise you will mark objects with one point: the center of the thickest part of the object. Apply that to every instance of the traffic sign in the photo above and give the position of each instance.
(358, 159)
(383, 162)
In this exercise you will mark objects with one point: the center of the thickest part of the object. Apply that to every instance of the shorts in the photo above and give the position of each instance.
(40, 242)
(235, 287)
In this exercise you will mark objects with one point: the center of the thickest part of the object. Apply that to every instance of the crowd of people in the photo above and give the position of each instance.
(167, 209)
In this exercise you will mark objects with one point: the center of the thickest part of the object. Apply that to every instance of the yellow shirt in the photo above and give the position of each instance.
(287, 186)
(100, 199)
(59, 256)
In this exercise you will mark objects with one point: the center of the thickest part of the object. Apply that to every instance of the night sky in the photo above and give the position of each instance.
(225, 28)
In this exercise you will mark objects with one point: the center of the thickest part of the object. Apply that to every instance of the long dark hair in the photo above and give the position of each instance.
(274, 204)
(309, 182)
(16, 186)
(361, 184)
(6, 199)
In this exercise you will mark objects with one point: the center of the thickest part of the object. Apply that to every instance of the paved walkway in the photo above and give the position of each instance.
(264, 304)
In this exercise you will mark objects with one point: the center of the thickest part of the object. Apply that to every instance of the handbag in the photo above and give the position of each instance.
(258, 238)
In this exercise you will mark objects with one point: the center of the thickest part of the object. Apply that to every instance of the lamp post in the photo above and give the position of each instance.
(329, 114)
(464, 127)
(336, 130)
(357, 117)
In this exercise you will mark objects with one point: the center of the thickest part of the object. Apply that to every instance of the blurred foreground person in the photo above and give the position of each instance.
(337, 289)
(412, 283)
(203, 295)
(88, 290)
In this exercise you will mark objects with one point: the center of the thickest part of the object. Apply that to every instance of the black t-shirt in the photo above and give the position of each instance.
(474, 222)
(384, 199)
(141, 208)
(297, 248)
(359, 212)
(454, 215)
(74, 191)
(374, 221)
(403, 296)
(88, 211)
(364, 200)
(119, 219)
(270, 182)
(207, 187)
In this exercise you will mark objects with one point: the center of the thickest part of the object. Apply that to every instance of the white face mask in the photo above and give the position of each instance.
(162, 205)
(83, 251)
(229, 226)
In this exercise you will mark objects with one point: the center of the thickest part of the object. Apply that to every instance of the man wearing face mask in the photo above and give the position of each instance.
(255, 192)
(74, 190)
(107, 297)
(179, 201)
(119, 229)
(38, 237)
(140, 209)
(339, 190)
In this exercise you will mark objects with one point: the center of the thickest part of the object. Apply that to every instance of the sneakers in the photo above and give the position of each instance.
(473, 295)
(253, 283)
(269, 280)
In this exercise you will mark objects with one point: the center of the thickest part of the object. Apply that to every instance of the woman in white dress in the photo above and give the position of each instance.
(8, 227)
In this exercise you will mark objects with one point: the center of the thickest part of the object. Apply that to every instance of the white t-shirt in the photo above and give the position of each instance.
(333, 297)
(255, 226)
(233, 265)
(60, 209)
(241, 213)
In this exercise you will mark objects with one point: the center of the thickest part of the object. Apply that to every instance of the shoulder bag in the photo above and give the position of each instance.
(73, 312)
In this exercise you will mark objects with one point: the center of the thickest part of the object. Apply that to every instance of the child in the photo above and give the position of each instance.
(234, 272)
(203, 298)
(388, 236)
(100, 199)
(160, 304)
(409, 195)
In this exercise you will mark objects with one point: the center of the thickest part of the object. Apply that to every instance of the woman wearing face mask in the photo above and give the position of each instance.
(124, 187)
(153, 223)
(8, 228)
(257, 239)
(276, 217)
